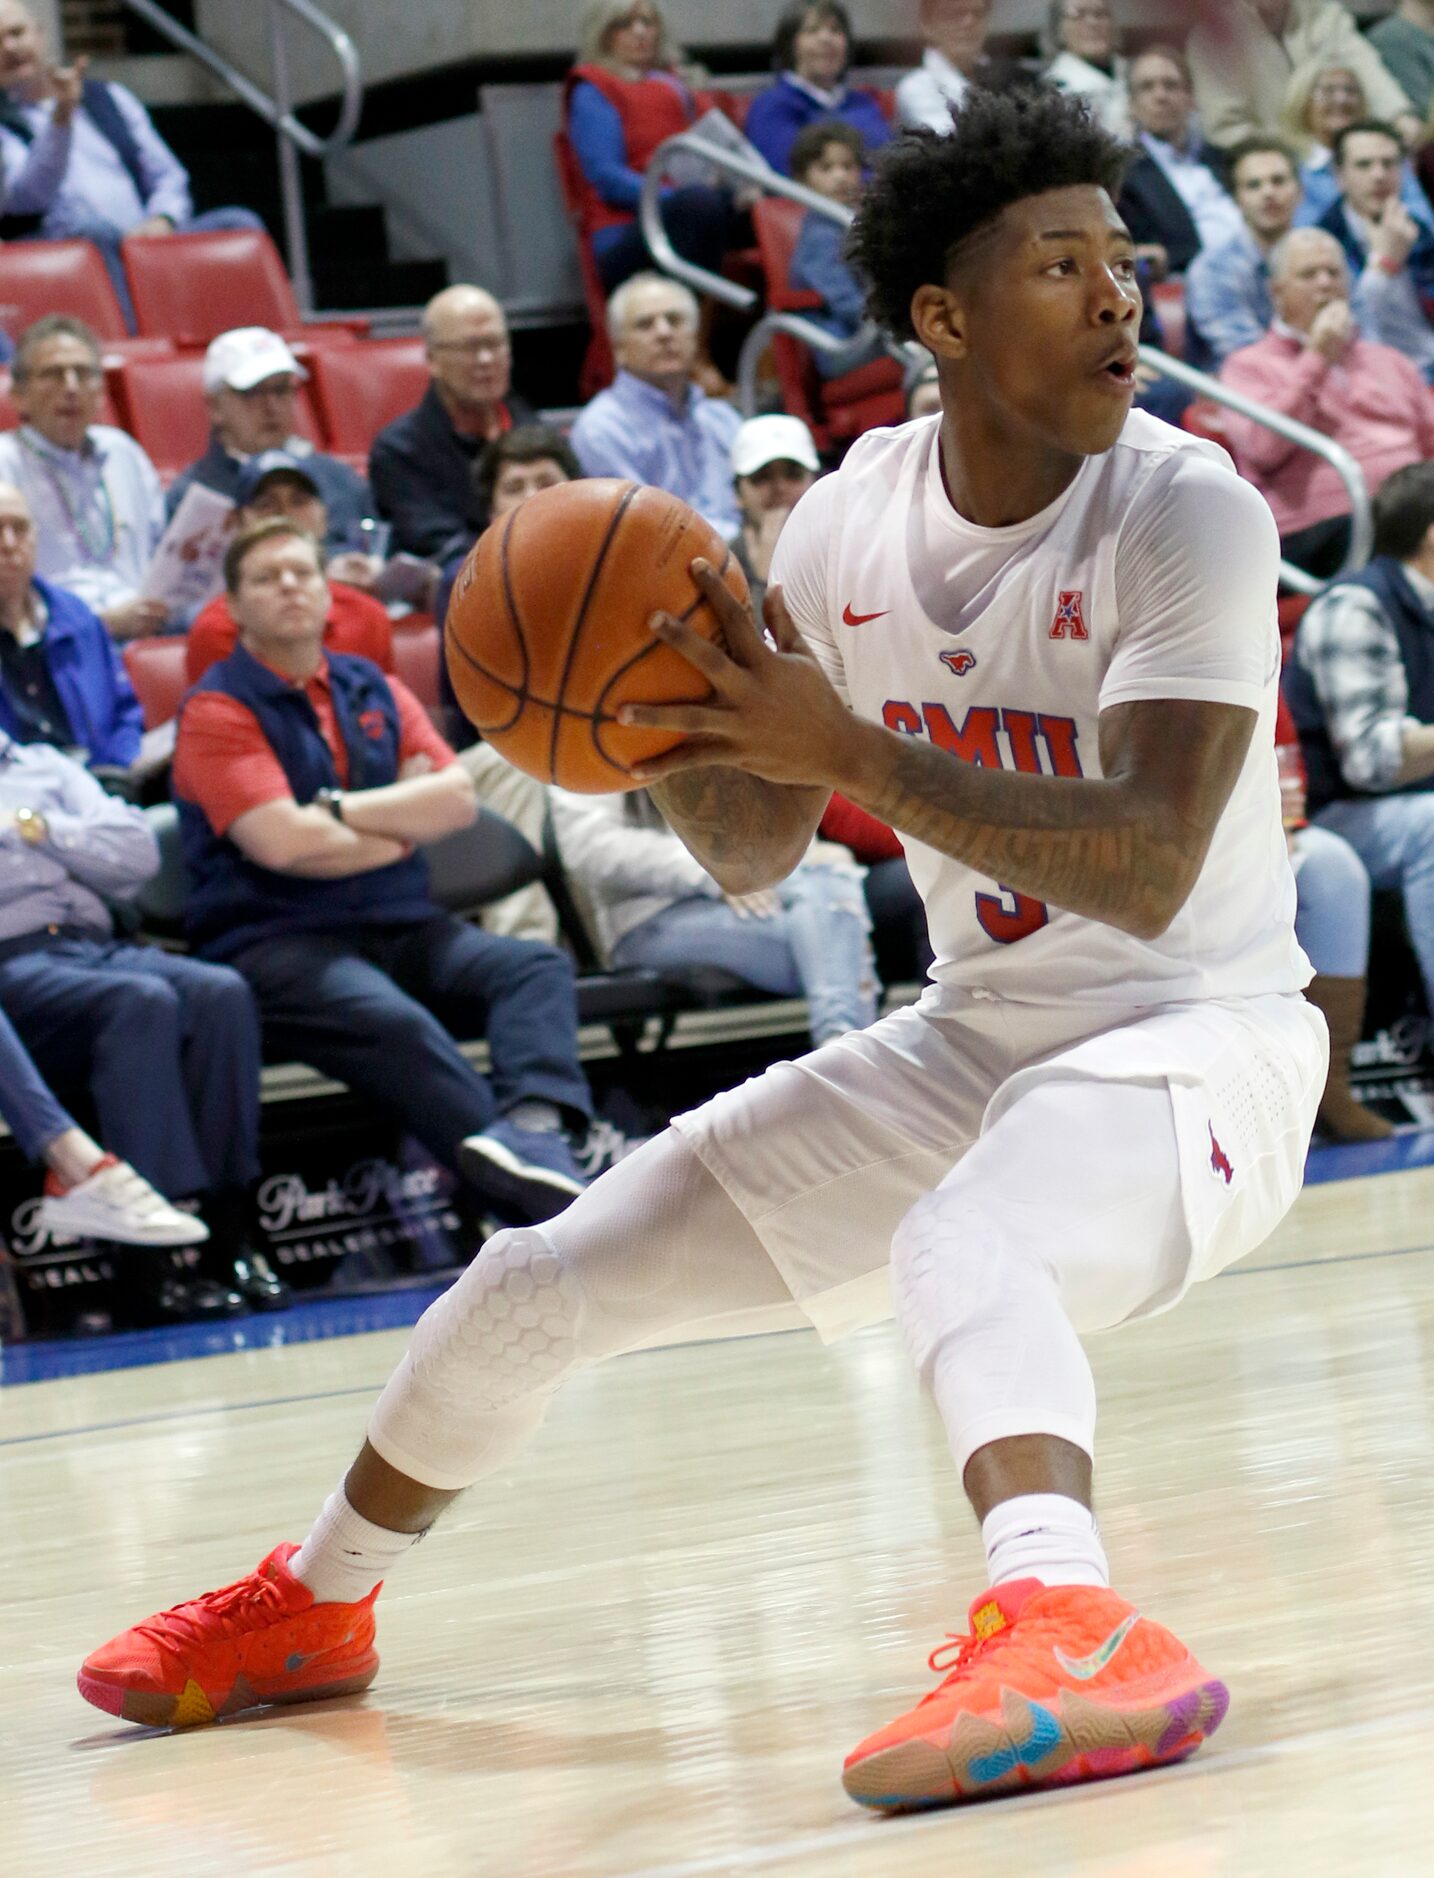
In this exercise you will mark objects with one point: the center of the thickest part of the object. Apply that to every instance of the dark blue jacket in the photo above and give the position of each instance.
(233, 902)
(421, 472)
(1387, 581)
(344, 491)
(91, 681)
(1421, 256)
(784, 108)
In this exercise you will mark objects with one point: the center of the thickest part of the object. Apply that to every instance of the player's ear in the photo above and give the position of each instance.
(940, 321)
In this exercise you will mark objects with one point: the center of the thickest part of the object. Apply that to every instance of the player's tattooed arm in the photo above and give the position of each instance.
(747, 833)
(1125, 848)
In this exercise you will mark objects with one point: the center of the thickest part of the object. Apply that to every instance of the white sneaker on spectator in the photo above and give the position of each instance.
(114, 1202)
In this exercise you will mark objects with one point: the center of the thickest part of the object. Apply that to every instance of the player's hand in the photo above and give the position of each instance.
(67, 85)
(1393, 234)
(773, 712)
(1332, 331)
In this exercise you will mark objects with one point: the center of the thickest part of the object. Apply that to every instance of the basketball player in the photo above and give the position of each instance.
(1036, 634)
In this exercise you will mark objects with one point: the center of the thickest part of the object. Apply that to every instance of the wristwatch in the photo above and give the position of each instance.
(31, 827)
(333, 801)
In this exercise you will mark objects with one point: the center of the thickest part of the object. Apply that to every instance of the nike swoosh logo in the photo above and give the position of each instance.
(849, 618)
(1087, 1666)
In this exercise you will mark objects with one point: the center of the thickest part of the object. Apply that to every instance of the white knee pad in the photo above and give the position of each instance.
(946, 1277)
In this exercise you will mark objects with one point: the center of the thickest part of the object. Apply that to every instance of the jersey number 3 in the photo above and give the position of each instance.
(1008, 916)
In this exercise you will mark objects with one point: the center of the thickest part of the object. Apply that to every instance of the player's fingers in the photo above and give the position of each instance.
(692, 720)
(694, 754)
(780, 623)
(709, 659)
(739, 629)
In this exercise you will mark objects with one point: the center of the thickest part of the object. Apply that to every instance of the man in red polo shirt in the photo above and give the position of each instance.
(306, 782)
(277, 484)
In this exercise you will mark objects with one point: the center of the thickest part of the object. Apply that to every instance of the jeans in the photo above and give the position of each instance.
(898, 919)
(77, 226)
(30, 1108)
(1332, 914)
(818, 946)
(700, 224)
(1394, 837)
(168, 1048)
(374, 1008)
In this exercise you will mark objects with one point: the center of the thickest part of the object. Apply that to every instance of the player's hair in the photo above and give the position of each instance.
(618, 304)
(52, 326)
(795, 18)
(813, 140)
(932, 192)
(1363, 127)
(528, 443)
(1404, 511)
(1257, 146)
(271, 528)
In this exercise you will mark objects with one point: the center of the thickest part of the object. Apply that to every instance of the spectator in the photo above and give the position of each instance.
(1390, 253)
(82, 159)
(62, 681)
(829, 157)
(1323, 101)
(1243, 62)
(655, 906)
(1312, 367)
(1172, 201)
(1227, 291)
(1332, 925)
(774, 464)
(88, 1194)
(810, 54)
(93, 493)
(923, 391)
(305, 783)
(1080, 41)
(251, 389)
(1360, 686)
(167, 1047)
(899, 932)
(955, 59)
(623, 98)
(277, 484)
(421, 464)
(653, 424)
(1405, 42)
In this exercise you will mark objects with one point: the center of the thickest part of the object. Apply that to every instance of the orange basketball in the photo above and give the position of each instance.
(547, 634)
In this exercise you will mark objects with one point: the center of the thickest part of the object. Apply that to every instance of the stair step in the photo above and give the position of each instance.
(361, 282)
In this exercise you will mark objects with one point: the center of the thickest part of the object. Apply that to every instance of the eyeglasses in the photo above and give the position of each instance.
(1086, 13)
(20, 526)
(59, 374)
(472, 348)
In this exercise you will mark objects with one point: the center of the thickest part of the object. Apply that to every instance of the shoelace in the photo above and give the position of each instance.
(968, 1649)
(231, 1610)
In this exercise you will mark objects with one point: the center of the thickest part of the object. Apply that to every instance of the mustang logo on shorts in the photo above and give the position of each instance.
(959, 662)
(1219, 1160)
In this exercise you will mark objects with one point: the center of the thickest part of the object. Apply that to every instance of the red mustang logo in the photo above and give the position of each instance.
(959, 662)
(373, 725)
(1219, 1160)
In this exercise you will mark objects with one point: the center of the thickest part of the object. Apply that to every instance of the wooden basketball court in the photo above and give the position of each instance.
(646, 1650)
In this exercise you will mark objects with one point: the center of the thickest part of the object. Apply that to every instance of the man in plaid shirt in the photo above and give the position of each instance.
(1360, 683)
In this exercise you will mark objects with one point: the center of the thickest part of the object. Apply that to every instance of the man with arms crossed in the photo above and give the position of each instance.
(1022, 633)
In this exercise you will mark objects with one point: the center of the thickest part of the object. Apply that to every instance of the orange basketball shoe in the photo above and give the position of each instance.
(261, 1640)
(1054, 1685)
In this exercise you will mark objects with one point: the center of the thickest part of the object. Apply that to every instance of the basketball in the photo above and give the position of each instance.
(547, 633)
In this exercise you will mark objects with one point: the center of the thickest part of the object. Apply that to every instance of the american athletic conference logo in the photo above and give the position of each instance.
(1069, 622)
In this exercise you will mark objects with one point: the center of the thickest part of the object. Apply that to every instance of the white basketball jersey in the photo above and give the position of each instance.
(1152, 576)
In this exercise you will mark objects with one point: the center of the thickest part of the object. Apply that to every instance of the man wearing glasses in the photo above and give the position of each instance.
(251, 389)
(421, 465)
(93, 493)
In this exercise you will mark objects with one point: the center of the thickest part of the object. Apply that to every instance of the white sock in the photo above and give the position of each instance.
(345, 1555)
(1045, 1536)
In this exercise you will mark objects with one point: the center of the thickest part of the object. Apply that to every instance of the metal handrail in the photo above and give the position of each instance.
(1361, 534)
(291, 135)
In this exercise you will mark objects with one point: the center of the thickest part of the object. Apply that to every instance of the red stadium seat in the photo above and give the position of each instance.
(190, 288)
(833, 409)
(598, 365)
(1205, 418)
(156, 670)
(39, 277)
(415, 661)
(359, 389)
(1292, 610)
(164, 399)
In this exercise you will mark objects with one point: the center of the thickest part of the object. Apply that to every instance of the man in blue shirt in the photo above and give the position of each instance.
(1227, 291)
(1390, 253)
(653, 425)
(82, 158)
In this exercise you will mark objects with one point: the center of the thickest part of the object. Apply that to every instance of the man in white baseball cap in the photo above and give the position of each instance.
(774, 463)
(251, 387)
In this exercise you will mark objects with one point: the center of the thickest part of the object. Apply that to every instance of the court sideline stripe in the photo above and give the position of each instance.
(372, 1389)
(864, 1830)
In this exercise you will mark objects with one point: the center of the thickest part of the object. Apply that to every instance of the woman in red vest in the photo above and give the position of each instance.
(623, 99)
